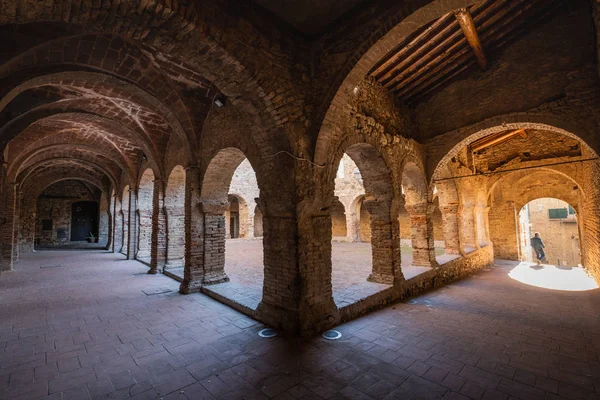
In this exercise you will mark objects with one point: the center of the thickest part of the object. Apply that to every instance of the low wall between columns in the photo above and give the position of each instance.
(451, 271)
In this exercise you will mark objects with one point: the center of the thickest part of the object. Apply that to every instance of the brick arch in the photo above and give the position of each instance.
(49, 144)
(86, 126)
(99, 86)
(378, 201)
(371, 162)
(454, 141)
(183, 31)
(377, 45)
(67, 152)
(543, 170)
(145, 202)
(175, 193)
(218, 175)
(54, 176)
(119, 58)
(67, 168)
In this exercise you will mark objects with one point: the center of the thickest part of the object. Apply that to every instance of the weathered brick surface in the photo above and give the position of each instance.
(121, 95)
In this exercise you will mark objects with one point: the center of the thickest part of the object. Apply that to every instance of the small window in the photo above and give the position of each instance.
(46, 224)
(558, 213)
(571, 211)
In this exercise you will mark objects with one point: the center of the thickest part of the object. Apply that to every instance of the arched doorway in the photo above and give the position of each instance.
(367, 261)
(233, 268)
(556, 223)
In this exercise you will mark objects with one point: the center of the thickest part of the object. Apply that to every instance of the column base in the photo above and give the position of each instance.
(213, 279)
(381, 278)
(153, 271)
(188, 287)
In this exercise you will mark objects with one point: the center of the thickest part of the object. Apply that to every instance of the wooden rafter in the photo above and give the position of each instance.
(463, 16)
(488, 141)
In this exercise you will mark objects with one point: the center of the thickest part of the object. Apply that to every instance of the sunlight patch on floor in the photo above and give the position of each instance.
(552, 277)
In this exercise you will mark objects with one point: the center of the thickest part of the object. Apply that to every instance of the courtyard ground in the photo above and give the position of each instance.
(91, 325)
(351, 266)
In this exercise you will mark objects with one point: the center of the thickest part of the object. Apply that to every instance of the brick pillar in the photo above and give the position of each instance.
(421, 230)
(194, 233)
(17, 224)
(297, 290)
(7, 229)
(450, 225)
(27, 220)
(352, 226)
(386, 250)
(158, 243)
(110, 233)
(133, 225)
(215, 221)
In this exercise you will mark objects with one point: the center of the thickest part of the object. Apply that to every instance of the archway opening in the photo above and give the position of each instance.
(555, 222)
(233, 256)
(415, 220)
(362, 259)
(145, 216)
(549, 247)
(175, 216)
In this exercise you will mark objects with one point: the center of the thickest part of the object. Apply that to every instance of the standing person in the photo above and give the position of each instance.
(538, 247)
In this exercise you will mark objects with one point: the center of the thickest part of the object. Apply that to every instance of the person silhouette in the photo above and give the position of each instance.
(538, 247)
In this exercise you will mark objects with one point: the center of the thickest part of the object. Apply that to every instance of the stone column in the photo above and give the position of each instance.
(194, 233)
(421, 230)
(158, 243)
(133, 225)
(352, 226)
(450, 225)
(7, 228)
(385, 250)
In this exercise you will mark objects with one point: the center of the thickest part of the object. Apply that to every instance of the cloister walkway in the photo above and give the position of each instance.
(81, 325)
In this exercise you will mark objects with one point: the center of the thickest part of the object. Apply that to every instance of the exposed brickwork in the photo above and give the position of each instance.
(181, 116)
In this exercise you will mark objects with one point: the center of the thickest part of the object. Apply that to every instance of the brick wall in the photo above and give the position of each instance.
(55, 204)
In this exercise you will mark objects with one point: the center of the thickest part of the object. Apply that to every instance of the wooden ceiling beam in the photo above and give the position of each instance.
(495, 139)
(463, 16)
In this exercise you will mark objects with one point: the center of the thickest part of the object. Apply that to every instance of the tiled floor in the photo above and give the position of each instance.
(80, 325)
(351, 266)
